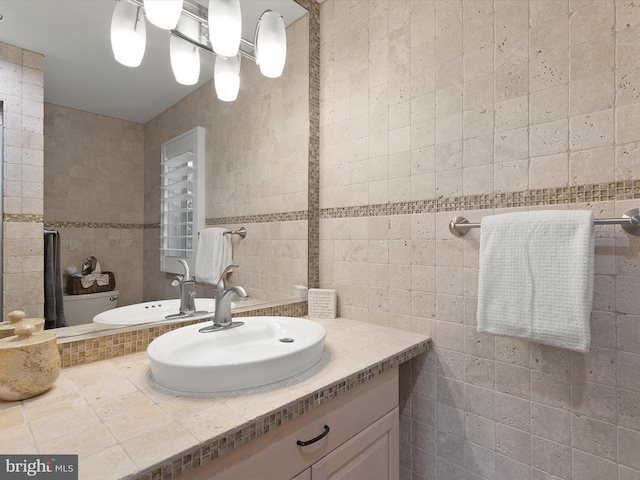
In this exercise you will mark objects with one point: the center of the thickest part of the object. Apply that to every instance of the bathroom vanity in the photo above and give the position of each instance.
(123, 425)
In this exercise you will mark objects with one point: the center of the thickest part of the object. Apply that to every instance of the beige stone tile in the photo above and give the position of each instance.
(478, 64)
(481, 372)
(513, 443)
(512, 379)
(106, 464)
(549, 70)
(592, 58)
(597, 366)
(151, 447)
(627, 49)
(549, 138)
(511, 176)
(449, 308)
(450, 336)
(479, 460)
(627, 368)
(68, 422)
(591, 467)
(553, 389)
(625, 118)
(478, 180)
(592, 21)
(593, 436)
(17, 440)
(627, 14)
(483, 431)
(593, 400)
(507, 468)
(626, 473)
(86, 442)
(629, 409)
(591, 131)
(12, 416)
(628, 447)
(56, 405)
(478, 344)
(551, 457)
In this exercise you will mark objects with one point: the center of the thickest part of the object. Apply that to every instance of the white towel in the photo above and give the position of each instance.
(536, 277)
(213, 256)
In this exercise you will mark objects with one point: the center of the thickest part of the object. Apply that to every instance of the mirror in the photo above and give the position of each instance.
(107, 206)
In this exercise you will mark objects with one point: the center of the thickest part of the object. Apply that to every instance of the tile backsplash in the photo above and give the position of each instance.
(432, 109)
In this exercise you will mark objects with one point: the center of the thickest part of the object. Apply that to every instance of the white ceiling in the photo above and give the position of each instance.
(79, 68)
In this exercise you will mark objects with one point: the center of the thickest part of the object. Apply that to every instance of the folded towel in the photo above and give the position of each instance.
(536, 277)
(101, 279)
(214, 254)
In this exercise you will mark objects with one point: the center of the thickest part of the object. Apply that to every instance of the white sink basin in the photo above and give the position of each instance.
(152, 312)
(263, 350)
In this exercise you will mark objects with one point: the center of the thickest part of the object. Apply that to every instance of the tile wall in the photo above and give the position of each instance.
(93, 192)
(256, 173)
(22, 92)
(437, 108)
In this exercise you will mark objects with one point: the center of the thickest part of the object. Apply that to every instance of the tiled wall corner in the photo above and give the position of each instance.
(22, 91)
(93, 192)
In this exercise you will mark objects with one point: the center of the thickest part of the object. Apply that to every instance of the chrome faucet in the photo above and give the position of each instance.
(224, 296)
(187, 286)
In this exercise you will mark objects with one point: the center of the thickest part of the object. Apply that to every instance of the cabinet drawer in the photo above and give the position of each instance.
(276, 455)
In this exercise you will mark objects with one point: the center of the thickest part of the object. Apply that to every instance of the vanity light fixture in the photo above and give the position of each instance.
(128, 34)
(163, 13)
(271, 44)
(184, 55)
(225, 26)
(226, 78)
(216, 30)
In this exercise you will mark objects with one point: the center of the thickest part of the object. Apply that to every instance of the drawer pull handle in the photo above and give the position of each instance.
(314, 440)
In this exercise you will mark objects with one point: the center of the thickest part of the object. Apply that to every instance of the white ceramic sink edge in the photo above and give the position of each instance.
(152, 312)
(262, 351)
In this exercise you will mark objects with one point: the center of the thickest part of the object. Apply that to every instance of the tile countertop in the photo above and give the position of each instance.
(123, 425)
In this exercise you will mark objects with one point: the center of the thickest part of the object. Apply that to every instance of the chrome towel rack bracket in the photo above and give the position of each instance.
(630, 222)
(241, 233)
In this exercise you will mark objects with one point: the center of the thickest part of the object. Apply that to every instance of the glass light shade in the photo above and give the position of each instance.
(271, 44)
(226, 78)
(185, 61)
(128, 34)
(225, 26)
(163, 13)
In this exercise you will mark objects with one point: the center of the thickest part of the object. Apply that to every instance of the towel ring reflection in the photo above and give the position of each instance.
(630, 222)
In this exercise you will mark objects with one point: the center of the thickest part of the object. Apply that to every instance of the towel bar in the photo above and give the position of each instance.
(630, 221)
(242, 232)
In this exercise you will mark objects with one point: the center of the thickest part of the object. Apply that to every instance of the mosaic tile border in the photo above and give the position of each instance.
(262, 218)
(113, 226)
(269, 422)
(22, 218)
(118, 344)
(596, 192)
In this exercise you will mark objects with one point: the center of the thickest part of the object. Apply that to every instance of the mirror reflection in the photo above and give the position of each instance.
(102, 169)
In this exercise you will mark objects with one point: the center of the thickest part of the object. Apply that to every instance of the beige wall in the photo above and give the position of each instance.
(93, 192)
(22, 94)
(431, 109)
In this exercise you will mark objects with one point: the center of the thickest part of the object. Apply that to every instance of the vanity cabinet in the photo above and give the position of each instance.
(362, 441)
(370, 455)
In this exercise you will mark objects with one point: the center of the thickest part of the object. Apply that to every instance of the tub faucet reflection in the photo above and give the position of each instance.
(187, 285)
(224, 296)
